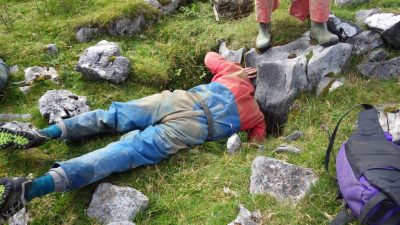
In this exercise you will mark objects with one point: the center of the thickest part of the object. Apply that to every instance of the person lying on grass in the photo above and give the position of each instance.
(155, 127)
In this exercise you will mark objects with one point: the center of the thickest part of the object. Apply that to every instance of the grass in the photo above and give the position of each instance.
(188, 187)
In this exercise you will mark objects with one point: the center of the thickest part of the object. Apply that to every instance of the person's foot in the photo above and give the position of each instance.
(319, 31)
(264, 37)
(12, 196)
(20, 135)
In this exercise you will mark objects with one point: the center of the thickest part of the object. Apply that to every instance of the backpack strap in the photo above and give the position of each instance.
(343, 217)
(333, 136)
(365, 217)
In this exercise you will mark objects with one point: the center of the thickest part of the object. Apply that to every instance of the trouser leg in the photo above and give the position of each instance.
(136, 148)
(319, 10)
(264, 9)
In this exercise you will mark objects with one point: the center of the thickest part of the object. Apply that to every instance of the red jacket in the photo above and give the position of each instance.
(231, 75)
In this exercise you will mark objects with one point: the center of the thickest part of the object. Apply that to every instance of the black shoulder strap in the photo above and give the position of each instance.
(343, 217)
(333, 136)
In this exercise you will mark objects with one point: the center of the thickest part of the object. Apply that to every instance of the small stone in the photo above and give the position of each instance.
(231, 55)
(382, 21)
(51, 49)
(324, 85)
(104, 62)
(86, 34)
(233, 144)
(25, 90)
(364, 14)
(336, 84)
(381, 70)
(21, 218)
(122, 223)
(390, 119)
(61, 104)
(40, 73)
(378, 55)
(343, 28)
(14, 69)
(365, 42)
(282, 180)
(294, 136)
(287, 148)
(245, 217)
(111, 203)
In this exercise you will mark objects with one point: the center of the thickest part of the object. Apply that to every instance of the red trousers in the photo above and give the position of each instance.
(316, 10)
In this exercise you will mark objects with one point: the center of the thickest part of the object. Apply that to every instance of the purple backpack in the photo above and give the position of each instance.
(368, 173)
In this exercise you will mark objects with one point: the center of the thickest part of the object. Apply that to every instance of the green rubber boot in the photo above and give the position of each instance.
(264, 37)
(319, 31)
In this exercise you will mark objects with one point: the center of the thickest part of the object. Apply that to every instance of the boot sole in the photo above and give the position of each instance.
(9, 138)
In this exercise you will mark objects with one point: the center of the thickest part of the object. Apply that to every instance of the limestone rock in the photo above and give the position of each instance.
(104, 62)
(25, 90)
(41, 73)
(364, 14)
(365, 42)
(382, 21)
(280, 79)
(14, 69)
(233, 144)
(51, 49)
(381, 70)
(294, 136)
(245, 217)
(349, 2)
(86, 34)
(389, 118)
(282, 180)
(61, 104)
(21, 218)
(391, 35)
(122, 223)
(231, 55)
(331, 60)
(251, 58)
(4, 74)
(234, 9)
(287, 148)
(378, 55)
(343, 28)
(111, 203)
(127, 26)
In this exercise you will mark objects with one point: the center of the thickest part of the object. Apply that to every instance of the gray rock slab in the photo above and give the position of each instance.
(331, 60)
(391, 35)
(365, 42)
(122, 223)
(378, 55)
(233, 144)
(287, 148)
(61, 104)
(20, 218)
(231, 55)
(127, 26)
(343, 28)
(25, 89)
(382, 21)
(37, 72)
(364, 14)
(381, 70)
(245, 217)
(349, 2)
(111, 203)
(294, 136)
(86, 34)
(390, 119)
(282, 180)
(51, 49)
(251, 58)
(15, 116)
(4, 74)
(104, 62)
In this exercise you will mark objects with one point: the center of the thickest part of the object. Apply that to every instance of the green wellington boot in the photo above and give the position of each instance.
(319, 31)
(264, 37)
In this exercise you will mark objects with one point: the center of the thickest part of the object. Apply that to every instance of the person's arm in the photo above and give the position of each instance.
(219, 66)
(257, 133)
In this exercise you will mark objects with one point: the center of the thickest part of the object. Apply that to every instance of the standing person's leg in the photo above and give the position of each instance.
(319, 15)
(136, 148)
(264, 9)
